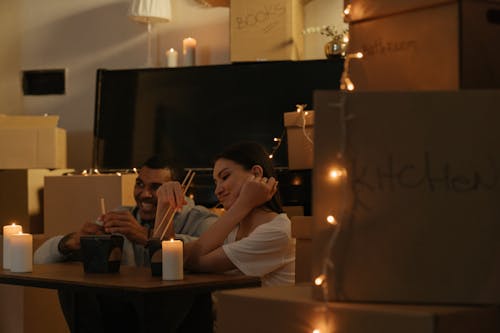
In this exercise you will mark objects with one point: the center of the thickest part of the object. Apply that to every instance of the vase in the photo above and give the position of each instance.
(335, 50)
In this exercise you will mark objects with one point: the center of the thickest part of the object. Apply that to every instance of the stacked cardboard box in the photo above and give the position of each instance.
(418, 207)
(32, 142)
(302, 232)
(425, 44)
(263, 30)
(300, 133)
(293, 310)
(21, 197)
(72, 200)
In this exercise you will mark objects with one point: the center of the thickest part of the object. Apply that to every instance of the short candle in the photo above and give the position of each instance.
(189, 51)
(21, 253)
(172, 260)
(172, 57)
(9, 230)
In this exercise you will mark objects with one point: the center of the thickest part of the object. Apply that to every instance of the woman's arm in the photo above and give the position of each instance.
(207, 249)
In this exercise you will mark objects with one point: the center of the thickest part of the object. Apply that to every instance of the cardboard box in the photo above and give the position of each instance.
(299, 130)
(72, 200)
(13, 121)
(32, 142)
(21, 197)
(30, 310)
(293, 310)
(419, 207)
(263, 30)
(456, 48)
(302, 232)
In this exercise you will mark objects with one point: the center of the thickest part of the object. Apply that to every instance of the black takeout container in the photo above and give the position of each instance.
(101, 253)
(155, 253)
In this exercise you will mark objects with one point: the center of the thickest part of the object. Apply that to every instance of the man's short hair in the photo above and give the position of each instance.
(157, 162)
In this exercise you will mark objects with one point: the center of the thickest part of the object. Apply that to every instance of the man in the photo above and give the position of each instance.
(112, 313)
(135, 224)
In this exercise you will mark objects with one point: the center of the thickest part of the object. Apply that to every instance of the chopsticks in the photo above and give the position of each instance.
(186, 183)
(103, 206)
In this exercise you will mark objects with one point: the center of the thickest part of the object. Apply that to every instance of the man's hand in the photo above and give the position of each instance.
(71, 242)
(171, 194)
(124, 223)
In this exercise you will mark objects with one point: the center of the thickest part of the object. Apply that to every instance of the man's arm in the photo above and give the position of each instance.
(64, 248)
(193, 220)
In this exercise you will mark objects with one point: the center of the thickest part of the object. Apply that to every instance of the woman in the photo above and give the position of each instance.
(253, 235)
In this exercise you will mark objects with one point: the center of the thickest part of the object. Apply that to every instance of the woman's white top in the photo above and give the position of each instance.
(268, 252)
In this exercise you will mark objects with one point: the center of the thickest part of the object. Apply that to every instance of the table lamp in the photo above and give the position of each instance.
(150, 12)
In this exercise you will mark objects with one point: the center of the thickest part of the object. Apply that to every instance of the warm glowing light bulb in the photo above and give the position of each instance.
(306, 113)
(349, 84)
(296, 181)
(359, 55)
(336, 173)
(270, 156)
(346, 39)
(134, 170)
(118, 173)
(316, 330)
(330, 219)
(277, 139)
(84, 172)
(347, 10)
(319, 280)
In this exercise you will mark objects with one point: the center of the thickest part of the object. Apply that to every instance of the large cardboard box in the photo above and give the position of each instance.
(418, 206)
(263, 30)
(21, 197)
(299, 130)
(425, 44)
(32, 142)
(293, 310)
(72, 200)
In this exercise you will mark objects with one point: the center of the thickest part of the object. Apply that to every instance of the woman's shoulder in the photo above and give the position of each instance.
(280, 222)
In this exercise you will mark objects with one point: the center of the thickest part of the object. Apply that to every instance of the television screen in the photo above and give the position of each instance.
(189, 114)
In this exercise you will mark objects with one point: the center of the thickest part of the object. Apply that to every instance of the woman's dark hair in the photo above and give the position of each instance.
(247, 154)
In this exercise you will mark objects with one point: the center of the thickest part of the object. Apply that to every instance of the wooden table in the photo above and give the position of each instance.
(159, 305)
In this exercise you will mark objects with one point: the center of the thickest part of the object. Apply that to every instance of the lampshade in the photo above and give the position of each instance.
(150, 11)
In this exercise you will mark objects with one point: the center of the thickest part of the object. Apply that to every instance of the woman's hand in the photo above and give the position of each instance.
(256, 191)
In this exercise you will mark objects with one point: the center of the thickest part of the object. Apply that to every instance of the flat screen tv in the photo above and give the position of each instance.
(189, 114)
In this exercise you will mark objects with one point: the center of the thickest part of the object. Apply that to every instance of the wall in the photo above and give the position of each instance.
(10, 54)
(83, 35)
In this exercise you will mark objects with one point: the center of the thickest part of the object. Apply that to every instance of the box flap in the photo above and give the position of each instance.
(297, 118)
(25, 121)
(366, 10)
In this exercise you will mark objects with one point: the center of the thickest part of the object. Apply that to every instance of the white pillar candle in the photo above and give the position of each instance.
(172, 57)
(172, 260)
(21, 253)
(9, 230)
(189, 51)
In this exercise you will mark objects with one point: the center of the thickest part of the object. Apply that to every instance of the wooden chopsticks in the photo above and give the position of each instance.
(186, 183)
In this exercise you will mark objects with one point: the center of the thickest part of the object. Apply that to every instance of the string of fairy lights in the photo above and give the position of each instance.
(338, 175)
